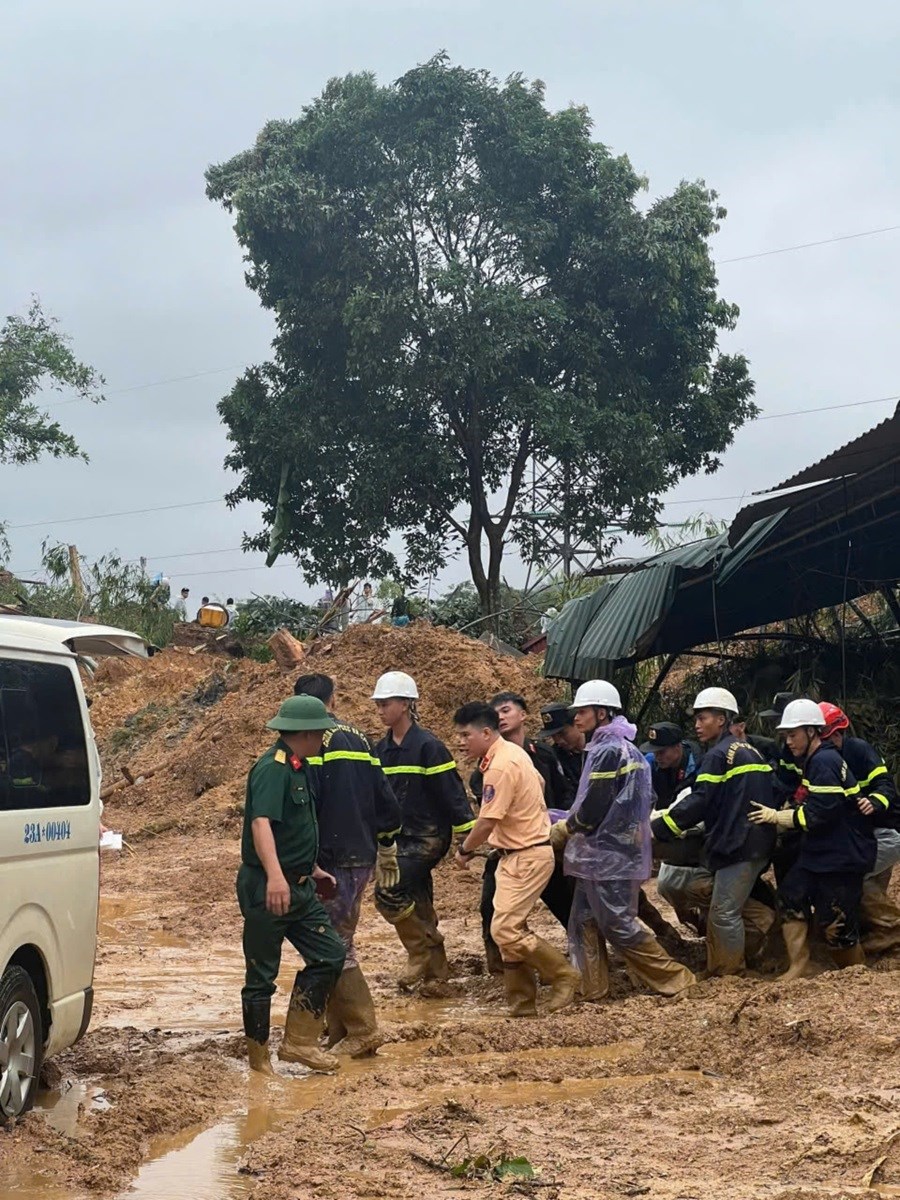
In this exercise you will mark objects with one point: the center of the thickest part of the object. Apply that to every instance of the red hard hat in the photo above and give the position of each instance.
(835, 719)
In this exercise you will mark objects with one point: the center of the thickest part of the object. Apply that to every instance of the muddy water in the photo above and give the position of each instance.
(152, 979)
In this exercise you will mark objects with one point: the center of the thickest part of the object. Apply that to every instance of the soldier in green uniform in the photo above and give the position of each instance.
(276, 888)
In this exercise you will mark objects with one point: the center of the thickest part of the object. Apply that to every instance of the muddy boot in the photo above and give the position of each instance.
(258, 1057)
(521, 989)
(595, 963)
(758, 920)
(413, 933)
(647, 963)
(852, 956)
(358, 1016)
(879, 918)
(302, 1031)
(335, 1028)
(492, 957)
(556, 970)
(796, 938)
(256, 1031)
(438, 967)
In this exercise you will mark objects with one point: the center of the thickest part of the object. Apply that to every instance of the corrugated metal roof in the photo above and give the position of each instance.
(869, 450)
(594, 633)
(621, 621)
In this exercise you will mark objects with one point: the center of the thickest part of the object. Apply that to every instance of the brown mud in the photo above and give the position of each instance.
(743, 1088)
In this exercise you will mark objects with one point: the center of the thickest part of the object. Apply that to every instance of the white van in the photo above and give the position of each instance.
(49, 843)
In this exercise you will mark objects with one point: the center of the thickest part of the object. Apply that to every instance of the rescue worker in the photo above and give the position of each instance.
(512, 712)
(359, 819)
(512, 709)
(682, 881)
(837, 848)
(567, 741)
(433, 808)
(276, 889)
(607, 850)
(732, 777)
(514, 820)
(673, 759)
(880, 917)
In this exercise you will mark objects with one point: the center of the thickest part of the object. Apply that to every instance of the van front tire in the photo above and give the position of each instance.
(21, 1042)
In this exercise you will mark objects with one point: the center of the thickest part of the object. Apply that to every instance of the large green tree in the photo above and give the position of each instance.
(463, 281)
(35, 355)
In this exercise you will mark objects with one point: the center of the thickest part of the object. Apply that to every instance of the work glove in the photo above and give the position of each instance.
(761, 814)
(387, 869)
(559, 835)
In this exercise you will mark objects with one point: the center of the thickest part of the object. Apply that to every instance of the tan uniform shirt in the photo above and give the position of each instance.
(513, 798)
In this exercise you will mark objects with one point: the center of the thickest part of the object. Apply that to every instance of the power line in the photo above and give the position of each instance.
(720, 262)
(141, 387)
(845, 237)
(134, 512)
(218, 499)
(799, 412)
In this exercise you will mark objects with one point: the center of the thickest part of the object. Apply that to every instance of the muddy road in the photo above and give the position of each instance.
(745, 1088)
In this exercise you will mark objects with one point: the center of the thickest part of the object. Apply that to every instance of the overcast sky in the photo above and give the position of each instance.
(111, 112)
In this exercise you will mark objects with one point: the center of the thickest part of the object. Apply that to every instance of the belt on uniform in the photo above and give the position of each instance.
(503, 852)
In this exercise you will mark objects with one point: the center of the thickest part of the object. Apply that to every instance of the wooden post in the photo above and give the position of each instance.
(75, 573)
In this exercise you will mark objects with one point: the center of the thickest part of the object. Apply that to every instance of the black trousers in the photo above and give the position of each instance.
(557, 895)
(831, 898)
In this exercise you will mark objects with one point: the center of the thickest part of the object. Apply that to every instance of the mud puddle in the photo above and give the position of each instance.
(204, 1164)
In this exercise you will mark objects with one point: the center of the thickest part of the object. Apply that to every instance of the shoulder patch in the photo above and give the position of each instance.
(280, 756)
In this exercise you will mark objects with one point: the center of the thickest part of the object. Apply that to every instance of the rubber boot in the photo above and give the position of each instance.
(256, 1031)
(556, 970)
(595, 969)
(521, 989)
(335, 1029)
(879, 918)
(357, 1015)
(258, 1057)
(302, 1031)
(758, 919)
(438, 967)
(492, 957)
(852, 956)
(413, 933)
(796, 938)
(649, 964)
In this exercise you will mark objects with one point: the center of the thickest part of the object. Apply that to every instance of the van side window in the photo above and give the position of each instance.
(43, 756)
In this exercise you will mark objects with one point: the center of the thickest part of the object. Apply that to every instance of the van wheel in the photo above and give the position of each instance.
(21, 1041)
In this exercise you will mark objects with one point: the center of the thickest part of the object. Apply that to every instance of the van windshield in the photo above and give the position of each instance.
(43, 754)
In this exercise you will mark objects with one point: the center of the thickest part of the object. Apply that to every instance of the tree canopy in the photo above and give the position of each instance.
(464, 281)
(35, 355)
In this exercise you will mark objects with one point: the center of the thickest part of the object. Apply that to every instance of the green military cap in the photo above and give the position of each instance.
(300, 713)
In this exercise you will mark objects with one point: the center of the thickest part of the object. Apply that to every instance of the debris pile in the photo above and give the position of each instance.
(186, 730)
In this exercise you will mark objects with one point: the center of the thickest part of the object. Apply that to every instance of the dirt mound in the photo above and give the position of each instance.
(188, 727)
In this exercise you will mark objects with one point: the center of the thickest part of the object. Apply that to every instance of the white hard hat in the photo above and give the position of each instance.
(596, 693)
(716, 697)
(395, 685)
(800, 713)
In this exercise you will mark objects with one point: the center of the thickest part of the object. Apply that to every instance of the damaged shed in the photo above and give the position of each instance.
(823, 537)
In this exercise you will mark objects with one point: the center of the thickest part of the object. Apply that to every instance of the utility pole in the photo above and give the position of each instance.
(75, 575)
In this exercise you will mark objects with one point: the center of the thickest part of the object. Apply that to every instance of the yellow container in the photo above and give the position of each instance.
(213, 616)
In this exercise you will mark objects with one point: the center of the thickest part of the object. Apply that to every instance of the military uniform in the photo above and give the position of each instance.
(278, 789)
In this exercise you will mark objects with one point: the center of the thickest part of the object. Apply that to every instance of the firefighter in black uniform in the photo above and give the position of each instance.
(433, 808)
(359, 819)
(880, 916)
(837, 849)
(732, 776)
